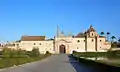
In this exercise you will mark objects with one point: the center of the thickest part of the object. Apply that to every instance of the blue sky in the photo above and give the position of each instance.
(41, 17)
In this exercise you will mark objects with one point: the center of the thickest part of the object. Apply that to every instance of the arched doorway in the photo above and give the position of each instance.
(62, 49)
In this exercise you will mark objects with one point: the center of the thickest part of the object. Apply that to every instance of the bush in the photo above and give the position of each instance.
(21, 53)
(113, 54)
(73, 52)
(35, 52)
(90, 54)
(12, 53)
(6, 52)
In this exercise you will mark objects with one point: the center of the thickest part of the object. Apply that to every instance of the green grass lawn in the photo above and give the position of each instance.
(110, 62)
(112, 58)
(8, 62)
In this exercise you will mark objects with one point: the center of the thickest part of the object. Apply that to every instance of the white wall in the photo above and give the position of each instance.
(103, 45)
(91, 44)
(42, 45)
(70, 43)
(78, 46)
(63, 41)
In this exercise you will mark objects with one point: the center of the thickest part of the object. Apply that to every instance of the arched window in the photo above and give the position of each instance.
(92, 34)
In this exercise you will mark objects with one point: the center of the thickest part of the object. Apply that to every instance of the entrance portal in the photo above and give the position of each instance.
(62, 49)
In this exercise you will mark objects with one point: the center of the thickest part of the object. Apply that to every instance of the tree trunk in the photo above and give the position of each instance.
(86, 43)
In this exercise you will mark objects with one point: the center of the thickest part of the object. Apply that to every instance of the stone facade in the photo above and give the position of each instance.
(88, 41)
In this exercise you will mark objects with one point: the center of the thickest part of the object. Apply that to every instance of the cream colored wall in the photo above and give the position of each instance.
(101, 45)
(14, 47)
(42, 45)
(91, 45)
(78, 46)
(65, 41)
(69, 42)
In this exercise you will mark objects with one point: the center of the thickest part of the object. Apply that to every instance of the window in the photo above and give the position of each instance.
(84, 40)
(92, 34)
(92, 40)
(13, 44)
(100, 40)
(77, 48)
(34, 44)
(39, 43)
(78, 41)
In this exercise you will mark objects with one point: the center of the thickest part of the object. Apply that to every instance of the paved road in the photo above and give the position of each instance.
(54, 63)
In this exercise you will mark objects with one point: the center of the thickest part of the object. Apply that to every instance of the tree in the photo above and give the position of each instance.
(21, 53)
(108, 33)
(6, 52)
(114, 45)
(35, 52)
(113, 38)
(102, 33)
(119, 39)
(119, 42)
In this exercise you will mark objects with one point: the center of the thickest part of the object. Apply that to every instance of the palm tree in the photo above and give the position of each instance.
(119, 42)
(102, 33)
(119, 39)
(112, 38)
(108, 33)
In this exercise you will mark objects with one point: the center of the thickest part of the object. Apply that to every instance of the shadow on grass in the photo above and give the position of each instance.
(90, 66)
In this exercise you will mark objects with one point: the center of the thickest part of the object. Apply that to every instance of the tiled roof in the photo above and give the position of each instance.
(91, 29)
(102, 36)
(80, 35)
(33, 38)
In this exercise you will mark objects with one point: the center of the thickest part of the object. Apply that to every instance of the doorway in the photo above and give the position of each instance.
(62, 49)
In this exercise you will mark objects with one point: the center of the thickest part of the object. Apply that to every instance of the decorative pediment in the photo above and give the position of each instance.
(65, 40)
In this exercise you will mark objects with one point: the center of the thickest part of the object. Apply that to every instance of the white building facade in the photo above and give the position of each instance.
(88, 41)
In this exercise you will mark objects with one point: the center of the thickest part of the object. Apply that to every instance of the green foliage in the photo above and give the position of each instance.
(35, 52)
(8, 62)
(12, 53)
(74, 52)
(11, 57)
(6, 52)
(114, 54)
(114, 45)
(108, 33)
(109, 54)
(102, 33)
(90, 54)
